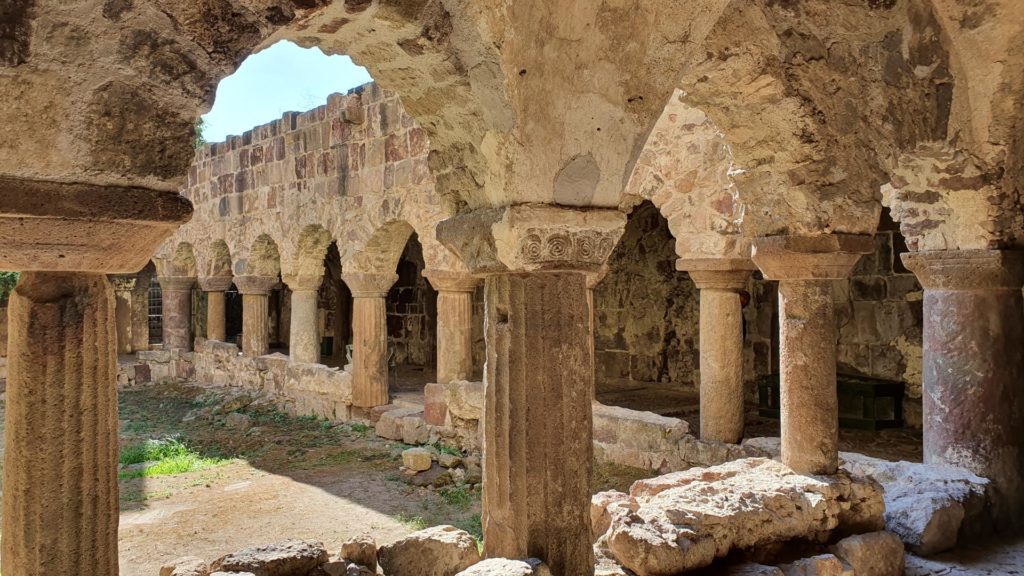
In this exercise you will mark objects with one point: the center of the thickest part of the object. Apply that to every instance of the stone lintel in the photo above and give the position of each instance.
(810, 257)
(215, 283)
(303, 282)
(717, 273)
(123, 282)
(451, 280)
(368, 285)
(967, 269)
(176, 283)
(533, 237)
(46, 225)
(262, 285)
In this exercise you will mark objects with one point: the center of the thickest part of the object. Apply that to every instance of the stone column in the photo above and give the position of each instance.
(304, 335)
(255, 291)
(974, 367)
(60, 501)
(721, 344)
(123, 285)
(369, 337)
(454, 323)
(176, 293)
(806, 267)
(216, 314)
(140, 312)
(539, 380)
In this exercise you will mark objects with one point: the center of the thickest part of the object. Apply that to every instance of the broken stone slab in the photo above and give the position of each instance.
(185, 566)
(287, 558)
(684, 520)
(361, 550)
(417, 459)
(751, 569)
(505, 567)
(465, 399)
(436, 551)
(873, 554)
(392, 422)
(927, 506)
(821, 565)
(435, 476)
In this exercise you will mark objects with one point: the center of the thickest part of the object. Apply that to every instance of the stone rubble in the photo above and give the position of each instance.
(361, 550)
(505, 567)
(436, 551)
(821, 565)
(873, 554)
(290, 558)
(185, 566)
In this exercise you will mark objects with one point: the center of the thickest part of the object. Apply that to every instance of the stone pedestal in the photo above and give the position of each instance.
(454, 323)
(123, 286)
(539, 379)
(304, 337)
(721, 345)
(806, 267)
(216, 313)
(973, 367)
(369, 337)
(255, 291)
(176, 292)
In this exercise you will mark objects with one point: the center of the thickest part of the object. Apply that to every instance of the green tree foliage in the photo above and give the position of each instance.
(7, 282)
(200, 137)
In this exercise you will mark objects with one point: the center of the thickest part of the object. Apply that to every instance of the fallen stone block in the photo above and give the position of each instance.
(504, 567)
(361, 550)
(436, 551)
(290, 558)
(186, 566)
(684, 520)
(417, 459)
(874, 554)
(751, 569)
(391, 423)
(822, 565)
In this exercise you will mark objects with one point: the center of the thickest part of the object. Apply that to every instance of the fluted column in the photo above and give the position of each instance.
(454, 323)
(973, 367)
(176, 294)
(60, 502)
(255, 291)
(721, 344)
(538, 430)
(123, 285)
(806, 267)
(304, 336)
(216, 314)
(369, 337)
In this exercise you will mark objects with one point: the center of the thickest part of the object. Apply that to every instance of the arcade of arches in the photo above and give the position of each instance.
(684, 208)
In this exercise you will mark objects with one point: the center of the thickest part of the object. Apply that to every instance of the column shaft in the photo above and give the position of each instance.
(538, 433)
(60, 505)
(255, 324)
(216, 316)
(123, 319)
(177, 312)
(454, 336)
(304, 340)
(369, 351)
(721, 366)
(810, 405)
(140, 313)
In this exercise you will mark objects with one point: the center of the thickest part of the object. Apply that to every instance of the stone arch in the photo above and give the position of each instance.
(382, 250)
(305, 256)
(264, 258)
(214, 259)
(685, 169)
(179, 263)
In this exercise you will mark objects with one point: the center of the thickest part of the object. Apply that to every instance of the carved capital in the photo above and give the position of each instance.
(123, 282)
(717, 273)
(532, 237)
(56, 226)
(366, 285)
(819, 257)
(967, 269)
(176, 283)
(215, 283)
(261, 285)
(303, 282)
(594, 278)
(451, 281)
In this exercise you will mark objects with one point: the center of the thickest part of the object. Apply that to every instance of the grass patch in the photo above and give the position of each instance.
(442, 449)
(411, 522)
(458, 497)
(162, 458)
(359, 428)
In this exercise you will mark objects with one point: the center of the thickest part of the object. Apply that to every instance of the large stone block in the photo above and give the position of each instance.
(437, 551)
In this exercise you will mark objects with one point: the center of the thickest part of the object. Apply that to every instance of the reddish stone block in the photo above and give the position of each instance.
(143, 374)
(256, 155)
(435, 408)
(419, 142)
(396, 148)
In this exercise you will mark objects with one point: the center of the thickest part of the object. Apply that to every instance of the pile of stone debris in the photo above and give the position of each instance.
(436, 551)
(430, 466)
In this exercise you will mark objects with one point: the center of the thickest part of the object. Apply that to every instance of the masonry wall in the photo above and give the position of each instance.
(412, 311)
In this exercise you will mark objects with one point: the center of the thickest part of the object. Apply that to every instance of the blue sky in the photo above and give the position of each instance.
(281, 78)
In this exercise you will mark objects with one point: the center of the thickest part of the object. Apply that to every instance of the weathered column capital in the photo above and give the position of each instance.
(967, 269)
(261, 285)
(47, 225)
(303, 282)
(122, 282)
(532, 237)
(176, 283)
(451, 280)
(368, 285)
(819, 257)
(215, 283)
(729, 274)
(595, 277)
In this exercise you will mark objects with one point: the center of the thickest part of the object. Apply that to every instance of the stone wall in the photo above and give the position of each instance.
(412, 311)
(646, 314)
